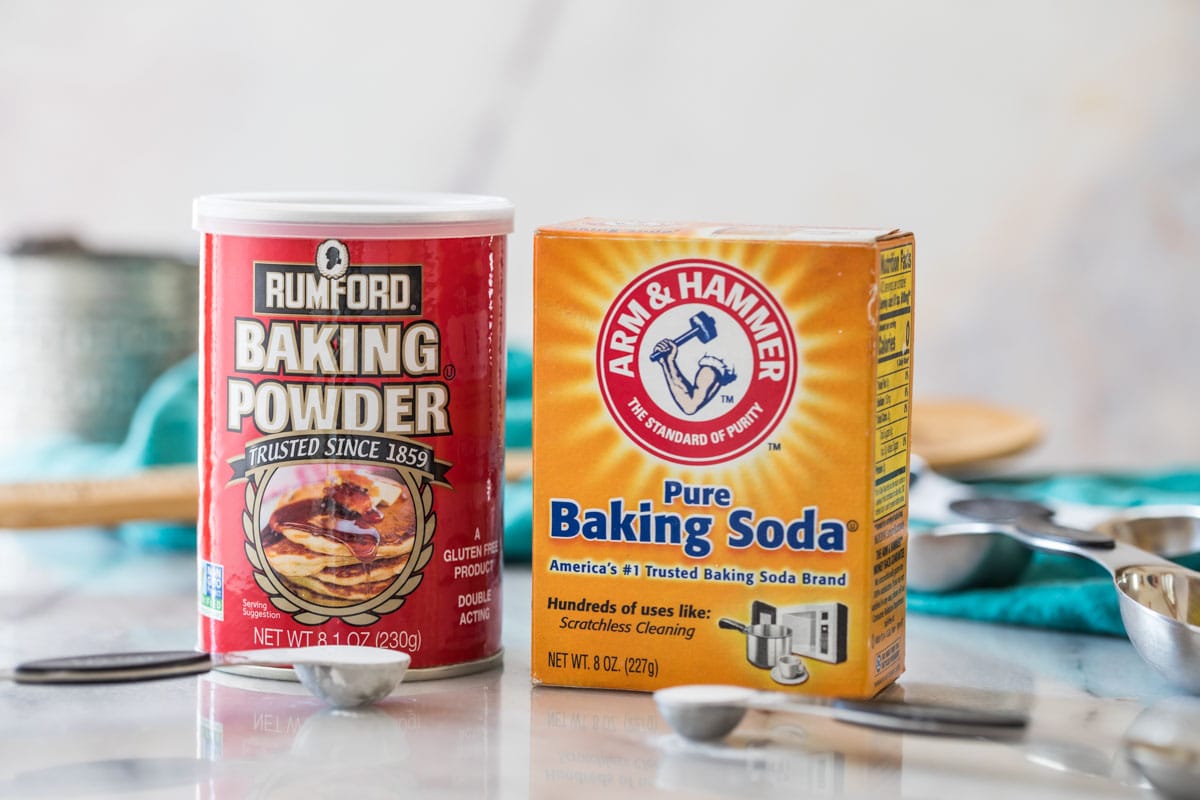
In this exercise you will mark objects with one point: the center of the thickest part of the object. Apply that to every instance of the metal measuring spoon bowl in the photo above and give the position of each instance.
(344, 676)
(1163, 743)
(709, 712)
(1159, 600)
(968, 555)
(703, 713)
(349, 677)
(945, 559)
(1171, 531)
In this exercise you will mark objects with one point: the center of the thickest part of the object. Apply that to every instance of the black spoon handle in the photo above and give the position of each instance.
(113, 667)
(929, 718)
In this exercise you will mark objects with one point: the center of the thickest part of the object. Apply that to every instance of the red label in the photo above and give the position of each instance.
(352, 445)
(696, 362)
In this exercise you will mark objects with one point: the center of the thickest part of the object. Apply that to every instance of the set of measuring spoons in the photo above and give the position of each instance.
(1159, 600)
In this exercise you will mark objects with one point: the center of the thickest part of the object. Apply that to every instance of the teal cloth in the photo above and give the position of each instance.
(518, 432)
(162, 431)
(1057, 591)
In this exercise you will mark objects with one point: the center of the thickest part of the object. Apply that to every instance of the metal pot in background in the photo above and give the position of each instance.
(84, 334)
(765, 643)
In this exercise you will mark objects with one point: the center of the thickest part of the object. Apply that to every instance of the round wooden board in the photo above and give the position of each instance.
(958, 433)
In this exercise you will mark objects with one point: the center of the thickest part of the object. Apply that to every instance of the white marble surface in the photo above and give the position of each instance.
(491, 734)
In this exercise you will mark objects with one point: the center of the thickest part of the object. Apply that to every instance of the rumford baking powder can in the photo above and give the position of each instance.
(351, 453)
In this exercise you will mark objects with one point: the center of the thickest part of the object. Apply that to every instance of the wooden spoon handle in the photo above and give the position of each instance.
(159, 493)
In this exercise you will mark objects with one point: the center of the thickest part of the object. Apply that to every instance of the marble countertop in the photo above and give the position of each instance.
(491, 734)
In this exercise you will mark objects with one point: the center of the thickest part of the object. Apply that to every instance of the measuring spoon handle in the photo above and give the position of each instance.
(928, 718)
(1044, 534)
(902, 717)
(113, 667)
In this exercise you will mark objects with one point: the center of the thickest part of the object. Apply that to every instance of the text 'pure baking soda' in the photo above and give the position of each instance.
(352, 365)
(720, 455)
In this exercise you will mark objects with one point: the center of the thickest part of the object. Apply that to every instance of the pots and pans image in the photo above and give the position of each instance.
(765, 643)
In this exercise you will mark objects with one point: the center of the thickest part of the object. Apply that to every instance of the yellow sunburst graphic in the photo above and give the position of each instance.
(822, 445)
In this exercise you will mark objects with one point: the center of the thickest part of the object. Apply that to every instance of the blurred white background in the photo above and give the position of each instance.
(1047, 155)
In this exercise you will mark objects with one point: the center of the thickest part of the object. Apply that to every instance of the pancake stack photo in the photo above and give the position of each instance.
(341, 541)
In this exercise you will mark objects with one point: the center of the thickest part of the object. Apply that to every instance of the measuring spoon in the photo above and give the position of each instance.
(344, 676)
(940, 559)
(708, 712)
(1159, 600)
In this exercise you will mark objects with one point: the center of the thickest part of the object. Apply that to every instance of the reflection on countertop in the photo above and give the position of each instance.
(492, 734)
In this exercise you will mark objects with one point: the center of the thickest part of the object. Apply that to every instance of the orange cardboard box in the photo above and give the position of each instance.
(721, 422)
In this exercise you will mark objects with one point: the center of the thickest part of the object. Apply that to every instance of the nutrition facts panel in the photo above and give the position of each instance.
(893, 379)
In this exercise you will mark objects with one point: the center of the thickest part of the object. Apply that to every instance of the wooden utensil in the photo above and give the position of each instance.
(952, 434)
(170, 494)
(159, 493)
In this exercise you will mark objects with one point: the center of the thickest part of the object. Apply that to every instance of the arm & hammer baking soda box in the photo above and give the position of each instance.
(721, 423)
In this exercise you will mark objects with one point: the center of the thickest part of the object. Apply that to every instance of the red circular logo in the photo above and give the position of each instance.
(696, 361)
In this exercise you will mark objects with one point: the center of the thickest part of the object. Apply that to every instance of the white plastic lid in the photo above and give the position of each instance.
(425, 215)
